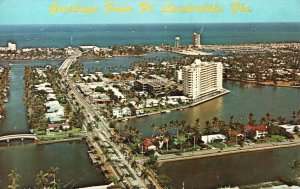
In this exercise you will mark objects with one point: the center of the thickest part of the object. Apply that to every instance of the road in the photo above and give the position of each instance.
(226, 151)
(103, 132)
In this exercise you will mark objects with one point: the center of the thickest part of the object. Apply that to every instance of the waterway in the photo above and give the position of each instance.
(232, 170)
(243, 99)
(123, 63)
(28, 159)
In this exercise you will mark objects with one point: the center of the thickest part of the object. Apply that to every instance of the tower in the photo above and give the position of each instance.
(177, 41)
(196, 39)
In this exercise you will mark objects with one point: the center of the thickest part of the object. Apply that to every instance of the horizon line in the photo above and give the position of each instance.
(155, 23)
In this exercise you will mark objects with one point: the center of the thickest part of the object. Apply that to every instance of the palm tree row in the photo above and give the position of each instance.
(44, 180)
(4, 83)
(189, 134)
(34, 100)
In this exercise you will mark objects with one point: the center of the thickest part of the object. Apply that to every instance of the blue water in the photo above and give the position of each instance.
(155, 34)
(118, 64)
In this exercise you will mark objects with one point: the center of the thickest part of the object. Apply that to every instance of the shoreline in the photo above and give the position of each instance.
(177, 108)
(77, 139)
(263, 84)
(224, 152)
(28, 60)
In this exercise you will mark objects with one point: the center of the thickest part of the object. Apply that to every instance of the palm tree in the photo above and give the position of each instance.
(295, 166)
(207, 128)
(181, 139)
(215, 124)
(53, 171)
(231, 121)
(251, 120)
(42, 180)
(153, 126)
(13, 180)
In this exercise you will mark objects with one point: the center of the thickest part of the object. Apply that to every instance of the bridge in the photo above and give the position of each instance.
(7, 138)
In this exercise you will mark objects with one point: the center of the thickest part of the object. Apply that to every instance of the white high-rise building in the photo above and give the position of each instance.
(196, 39)
(202, 79)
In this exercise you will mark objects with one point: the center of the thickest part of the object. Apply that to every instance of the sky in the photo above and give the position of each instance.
(37, 12)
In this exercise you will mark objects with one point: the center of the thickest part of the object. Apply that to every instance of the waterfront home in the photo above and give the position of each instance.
(290, 128)
(137, 109)
(213, 138)
(121, 112)
(182, 99)
(148, 144)
(259, 131)
(149, 103)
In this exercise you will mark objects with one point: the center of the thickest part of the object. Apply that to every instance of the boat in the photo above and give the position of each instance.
(6, 100)
(10, 64)
(168, 111)
(1, 117)
(97, 61)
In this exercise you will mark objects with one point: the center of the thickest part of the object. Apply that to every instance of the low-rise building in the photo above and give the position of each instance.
(260, 131)
(290, 128)
(213, 138)
(155, 85)
(119, 112)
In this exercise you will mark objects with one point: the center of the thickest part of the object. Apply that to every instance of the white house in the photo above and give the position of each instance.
(121, 112)
(212, 138)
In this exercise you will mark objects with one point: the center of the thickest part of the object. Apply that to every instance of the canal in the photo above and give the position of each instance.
(232, 170)
(28, 159)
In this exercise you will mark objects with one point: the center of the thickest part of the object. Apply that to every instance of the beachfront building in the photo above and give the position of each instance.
(202, 79)
(196, 39)
(10, 47)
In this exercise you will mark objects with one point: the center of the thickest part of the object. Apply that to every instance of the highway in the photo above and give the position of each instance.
(103, 132)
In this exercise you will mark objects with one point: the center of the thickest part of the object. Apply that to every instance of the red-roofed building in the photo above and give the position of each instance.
(260, 130)
(148, 144)
(236, 133)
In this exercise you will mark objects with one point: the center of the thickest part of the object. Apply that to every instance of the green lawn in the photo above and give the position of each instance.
(275, 138)
(57, 133)
(219, 145)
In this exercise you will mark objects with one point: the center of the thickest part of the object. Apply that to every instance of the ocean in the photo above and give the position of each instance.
(61, 36)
